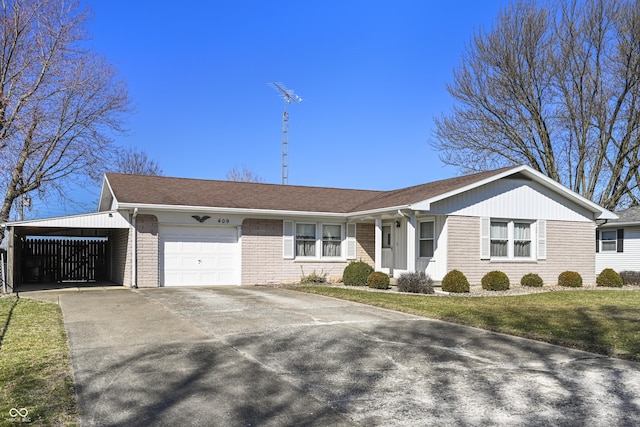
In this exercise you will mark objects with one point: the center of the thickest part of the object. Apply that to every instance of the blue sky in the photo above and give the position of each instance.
(372, 76)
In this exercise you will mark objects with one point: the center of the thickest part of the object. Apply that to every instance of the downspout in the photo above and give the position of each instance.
(134, 258)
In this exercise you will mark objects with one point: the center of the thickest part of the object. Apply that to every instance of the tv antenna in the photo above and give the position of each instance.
(289, 97)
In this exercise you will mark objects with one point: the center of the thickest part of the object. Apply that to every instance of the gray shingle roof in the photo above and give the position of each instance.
(629, 215)
(159, 190)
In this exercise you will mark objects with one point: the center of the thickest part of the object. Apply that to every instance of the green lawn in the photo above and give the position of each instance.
(600, 321)
(35, 371)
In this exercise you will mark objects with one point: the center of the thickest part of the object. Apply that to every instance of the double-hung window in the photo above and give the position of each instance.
(510, 239)
(331, 240)
(521, 240)
(427, 239)
(499, 239)
(306, 240)
(609, 240)
(316, 240)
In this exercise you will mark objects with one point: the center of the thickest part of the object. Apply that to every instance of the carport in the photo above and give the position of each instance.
(76, 249)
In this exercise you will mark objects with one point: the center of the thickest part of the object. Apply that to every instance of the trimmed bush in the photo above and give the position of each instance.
(455, 281)
(314, 278)
(495, 281)
(609, 278)
(417, 283)
(630, 277)
(531, 280)
(378, 280)
(356, 273)
(570, 279)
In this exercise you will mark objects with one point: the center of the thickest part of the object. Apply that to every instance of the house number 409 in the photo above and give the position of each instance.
(223, 220)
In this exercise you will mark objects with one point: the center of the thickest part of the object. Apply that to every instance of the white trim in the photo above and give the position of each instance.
(236, 211)
(419, 237)
(104, 219)
(319, 241)
(536, 176)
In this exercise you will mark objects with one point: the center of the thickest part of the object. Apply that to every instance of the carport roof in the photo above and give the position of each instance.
(167, 191)
(97, 220)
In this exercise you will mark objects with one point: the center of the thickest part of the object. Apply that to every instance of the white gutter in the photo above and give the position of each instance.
(389, 210)
(134, 258)
(230, 211)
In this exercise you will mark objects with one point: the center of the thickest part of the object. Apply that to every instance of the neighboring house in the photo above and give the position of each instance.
(171, 231)
(618, 242)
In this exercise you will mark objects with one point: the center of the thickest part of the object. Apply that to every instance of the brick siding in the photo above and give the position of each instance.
(121, 257)
(262, 261)
(148, 251)
(569, 247)
(366, 243)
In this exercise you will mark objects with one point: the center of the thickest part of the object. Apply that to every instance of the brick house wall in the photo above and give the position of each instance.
(148, 251)
(121, 257)
(262, 261)
(366, 243)
(569, 247)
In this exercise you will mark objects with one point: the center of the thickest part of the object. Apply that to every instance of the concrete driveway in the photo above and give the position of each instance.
(273, 357)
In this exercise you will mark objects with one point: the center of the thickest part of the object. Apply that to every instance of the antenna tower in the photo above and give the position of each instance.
(289, 97)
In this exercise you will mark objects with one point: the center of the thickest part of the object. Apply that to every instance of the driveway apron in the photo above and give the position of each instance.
(271, 357)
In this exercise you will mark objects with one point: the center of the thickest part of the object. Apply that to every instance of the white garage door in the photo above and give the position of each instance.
(199, 256)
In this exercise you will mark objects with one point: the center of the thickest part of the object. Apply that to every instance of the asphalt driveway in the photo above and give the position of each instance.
(272, 357)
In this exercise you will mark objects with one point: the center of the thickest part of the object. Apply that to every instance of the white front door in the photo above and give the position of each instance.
(199, 256)
(387, 246)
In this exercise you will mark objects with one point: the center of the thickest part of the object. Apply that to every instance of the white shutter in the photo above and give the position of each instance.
(485, 238)
(288, 240)
(542, 239)
(351, 241)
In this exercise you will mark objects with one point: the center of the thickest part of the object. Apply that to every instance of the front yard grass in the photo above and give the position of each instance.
(599, 321)
(35, 371)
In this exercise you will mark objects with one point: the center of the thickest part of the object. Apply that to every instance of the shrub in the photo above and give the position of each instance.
(495, 281)
(314, 278)
(630, 277)
(610, 278)
(455, 281)
(378, 280)
(356, 273)
(532, 280)
(418, 283)
(570, 279)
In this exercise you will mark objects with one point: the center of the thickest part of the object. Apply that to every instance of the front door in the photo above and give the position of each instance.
(387, 246)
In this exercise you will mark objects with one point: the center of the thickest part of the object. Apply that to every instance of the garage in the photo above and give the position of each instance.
(199, 256)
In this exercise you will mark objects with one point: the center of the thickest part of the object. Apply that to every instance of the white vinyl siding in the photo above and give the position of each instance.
(512, 198)
(627, 253)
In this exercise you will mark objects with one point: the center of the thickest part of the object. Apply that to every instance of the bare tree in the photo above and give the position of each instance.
(244, 175)
(134, 161)
(59, 101)
(555, 86)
